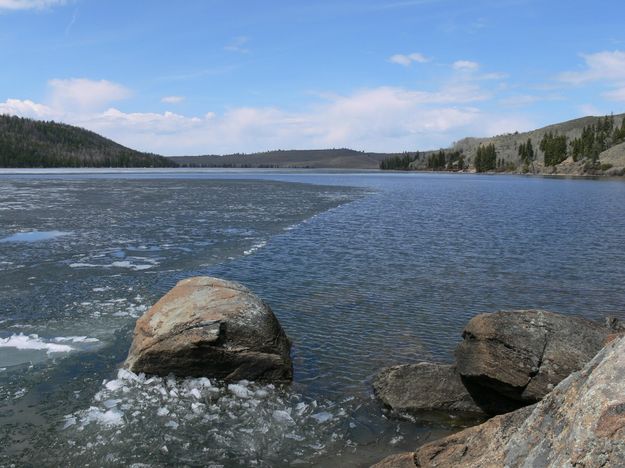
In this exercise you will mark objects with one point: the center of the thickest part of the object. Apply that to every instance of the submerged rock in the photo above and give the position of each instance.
(427, 390)
(580, 423)
(522, 355)
(211, 327)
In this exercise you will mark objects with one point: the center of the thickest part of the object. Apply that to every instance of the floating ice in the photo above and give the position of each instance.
(75, 339)
(217, 420)
(22, 341)
(282, 417)
(112, 417)
(173, 424)
(120, 264)
(239, 390)
(322, 417)
(255, 247)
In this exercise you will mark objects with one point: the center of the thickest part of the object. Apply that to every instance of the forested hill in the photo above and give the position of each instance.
(33, 143)
(342, 158)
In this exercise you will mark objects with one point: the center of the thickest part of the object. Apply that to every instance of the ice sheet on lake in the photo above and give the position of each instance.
(34, 236)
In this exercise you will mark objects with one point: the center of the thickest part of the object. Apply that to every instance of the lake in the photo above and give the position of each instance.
(363, 270)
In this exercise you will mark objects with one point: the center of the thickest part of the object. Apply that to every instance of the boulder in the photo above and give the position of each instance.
(427, 390)
(211, 327)
(522, 355)
(580, 423)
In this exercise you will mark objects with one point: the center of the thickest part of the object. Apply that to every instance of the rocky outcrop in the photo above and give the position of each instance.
(478, 446)
(210, 327)
(428, 391)
(580, 423)
(520, 356)
(400, 460)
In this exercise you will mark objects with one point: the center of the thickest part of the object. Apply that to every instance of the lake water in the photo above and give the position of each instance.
(363, 270)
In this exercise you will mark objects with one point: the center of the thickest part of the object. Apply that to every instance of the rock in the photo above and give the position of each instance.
(522, 355)
(210, 327)
(400, 460)
(478, 446)
(426, 390)
(580, 423)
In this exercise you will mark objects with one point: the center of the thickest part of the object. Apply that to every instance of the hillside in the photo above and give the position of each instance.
(609, 158)
(312, 159)
(31, 143)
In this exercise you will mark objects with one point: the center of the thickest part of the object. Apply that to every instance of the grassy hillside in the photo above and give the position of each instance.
(31, 143)
(327, 158)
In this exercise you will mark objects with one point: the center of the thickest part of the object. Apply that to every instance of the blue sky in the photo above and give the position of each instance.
(218, 76)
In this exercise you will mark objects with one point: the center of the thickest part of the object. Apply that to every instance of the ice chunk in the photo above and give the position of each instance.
(110, 403)
(282, 417)
(239, 391)
(124, 374)
(114, 385)
(172, 424)
(322, 417)
(112, 417)
(69, 421)
(162, 411)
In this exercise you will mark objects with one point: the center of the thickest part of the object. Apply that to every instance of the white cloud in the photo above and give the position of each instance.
(84, 94)
(29, 4)
(589, 109)
(465, 65)
(519, 100)
(237, 45)
(374, 119)
(172, 99)
(616, 95)
(602, 66)
(607, 67)
(406, 60)
(28, 108)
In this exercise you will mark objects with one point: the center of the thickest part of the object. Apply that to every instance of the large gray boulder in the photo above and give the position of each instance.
(211, 327)
(522, 355)
(580, 423)
(428, 391)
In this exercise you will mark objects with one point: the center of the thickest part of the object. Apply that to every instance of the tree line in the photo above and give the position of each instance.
(400, 162)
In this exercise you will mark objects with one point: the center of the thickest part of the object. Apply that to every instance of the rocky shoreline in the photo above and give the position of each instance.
(530, 387)
(554, 384)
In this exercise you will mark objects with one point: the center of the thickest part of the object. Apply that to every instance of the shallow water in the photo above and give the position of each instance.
(362, 269)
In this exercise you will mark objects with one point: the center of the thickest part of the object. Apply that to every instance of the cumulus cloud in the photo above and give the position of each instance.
(465, 65)
(172, 99)
(406, 60)
(84, 94)
(375, 119)
(28, 109)
(29, 4)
